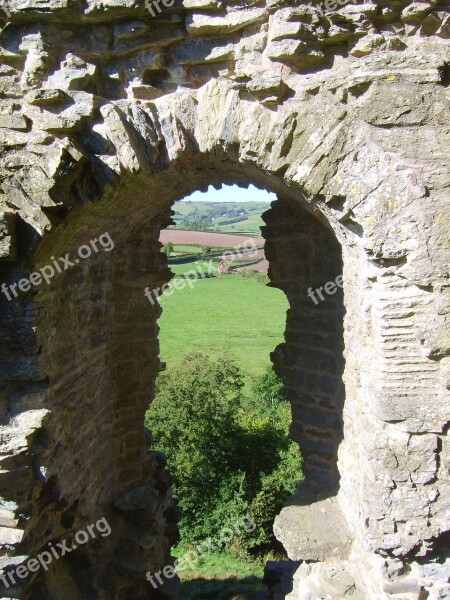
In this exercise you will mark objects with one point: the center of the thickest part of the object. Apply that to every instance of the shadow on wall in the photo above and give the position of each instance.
(304, 254)
(231, 588)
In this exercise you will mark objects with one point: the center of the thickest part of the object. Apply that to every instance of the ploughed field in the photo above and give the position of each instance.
(206, 238)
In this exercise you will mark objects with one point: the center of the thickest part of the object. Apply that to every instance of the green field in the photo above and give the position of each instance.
(180, 269)
(207, 207)
(224, 313)
(180, 249)
(214, 215)
(252, 225)
(247, 319)
(187, 248)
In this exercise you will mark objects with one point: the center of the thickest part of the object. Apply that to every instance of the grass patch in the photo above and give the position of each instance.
(180, 269)
(189, 248)
(254, 275)
(221, 576)
(225, 313)
(251, 225)
(221, 589)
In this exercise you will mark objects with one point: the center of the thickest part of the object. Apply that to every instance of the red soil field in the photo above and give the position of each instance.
(206, 238)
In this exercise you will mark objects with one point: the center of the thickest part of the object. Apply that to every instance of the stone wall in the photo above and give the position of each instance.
(109, 115)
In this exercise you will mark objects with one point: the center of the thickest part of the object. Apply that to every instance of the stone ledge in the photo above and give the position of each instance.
(316, 532)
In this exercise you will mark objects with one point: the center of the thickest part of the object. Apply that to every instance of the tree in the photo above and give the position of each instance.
(168, 248)
(193, 420)
(230, 455)
(269, 398)
(275, 460)
(274, 489)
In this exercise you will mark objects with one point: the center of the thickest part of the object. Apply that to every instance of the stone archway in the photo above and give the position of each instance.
(108, 143)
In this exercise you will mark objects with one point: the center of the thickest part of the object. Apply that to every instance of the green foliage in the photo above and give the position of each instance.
(193, 421)
(269, 397)
(191, 225)
(274, 490)
(275, 459)
(196, 221)
(168, 248)
(229, 454)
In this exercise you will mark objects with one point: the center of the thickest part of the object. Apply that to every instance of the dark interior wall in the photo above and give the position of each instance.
(305, 255)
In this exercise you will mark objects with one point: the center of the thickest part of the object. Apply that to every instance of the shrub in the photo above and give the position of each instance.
(230, 454)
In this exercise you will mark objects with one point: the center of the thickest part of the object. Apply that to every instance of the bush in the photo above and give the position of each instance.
(269, 398)
(193, 421)
(255, 275)
(168, 248)
(230, 455)
(275, 489)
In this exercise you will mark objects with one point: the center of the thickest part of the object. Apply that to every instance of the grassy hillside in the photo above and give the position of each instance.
(187, 248)
(251, 225)
(192, 265)
(223, 313)
(216, 215)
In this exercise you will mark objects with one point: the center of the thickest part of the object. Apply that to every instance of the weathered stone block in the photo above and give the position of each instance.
(8, 247)
(306, 533)
(46, 97)
(198, 24)
(70, 117)
(204, 51)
